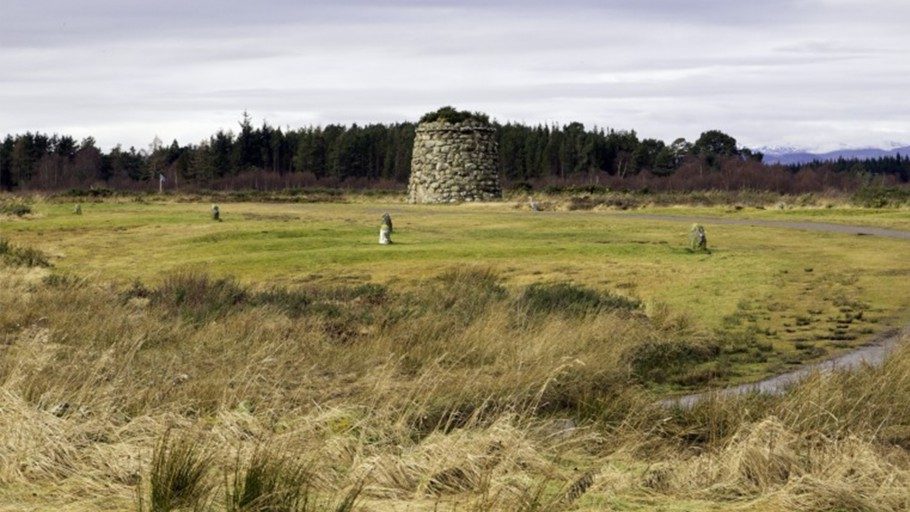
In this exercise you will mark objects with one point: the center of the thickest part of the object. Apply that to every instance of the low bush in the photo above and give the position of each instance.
(464, 293)
(451, 115)
(16, 208)
(881, 197)
(569, 299)
(293, 302)
(659, 361)
(62, 281)
(17, 256)
(95, 192)
(197, 296)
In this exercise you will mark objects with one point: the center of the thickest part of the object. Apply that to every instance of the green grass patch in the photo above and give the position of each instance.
(286, 255)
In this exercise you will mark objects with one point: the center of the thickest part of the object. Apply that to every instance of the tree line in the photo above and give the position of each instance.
(337, 155)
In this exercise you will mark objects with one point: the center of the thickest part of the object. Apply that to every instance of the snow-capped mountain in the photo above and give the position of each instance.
(788, 155)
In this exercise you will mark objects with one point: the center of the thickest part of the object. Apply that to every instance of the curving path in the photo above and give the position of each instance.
(824, 227)
(873, 353)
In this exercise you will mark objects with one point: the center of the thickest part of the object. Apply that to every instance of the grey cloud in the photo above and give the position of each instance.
(822, 48)
(765, 71)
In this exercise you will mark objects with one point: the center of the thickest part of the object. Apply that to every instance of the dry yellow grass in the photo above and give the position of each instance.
(445, 393)
(456, 408)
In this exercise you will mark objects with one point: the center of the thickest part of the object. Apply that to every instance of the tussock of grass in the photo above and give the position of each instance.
(270, 481)
(18, 256)
(196, 295)
(570, 299)
(814, 473)
(14, 208)
(199, 297)
(178, 476)
(657, 361)
(465, 293)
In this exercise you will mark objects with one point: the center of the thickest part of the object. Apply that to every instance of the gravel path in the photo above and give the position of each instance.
(825, 227)
(873, 354)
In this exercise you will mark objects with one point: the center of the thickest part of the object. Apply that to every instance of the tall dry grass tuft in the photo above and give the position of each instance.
(178, 477)
(17, 207)
(853, 475)
(801, 472)
(835, 442)
(195, 295)
(874, 402)
(269, 482)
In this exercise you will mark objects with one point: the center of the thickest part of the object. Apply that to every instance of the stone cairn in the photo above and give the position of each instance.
(698, 240)
(454, 162)
(216, 213)
(385, 230)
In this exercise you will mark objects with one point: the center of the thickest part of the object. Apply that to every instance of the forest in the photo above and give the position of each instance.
(378, 156)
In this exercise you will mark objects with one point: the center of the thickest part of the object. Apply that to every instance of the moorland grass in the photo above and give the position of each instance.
(753, 286)
(272, 480)
(14, 207)
(268, 481)
(411, 380)
(14, 255)
(177, 475)
(482, 414)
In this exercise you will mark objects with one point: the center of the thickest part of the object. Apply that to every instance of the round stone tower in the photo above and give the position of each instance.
(454, 162)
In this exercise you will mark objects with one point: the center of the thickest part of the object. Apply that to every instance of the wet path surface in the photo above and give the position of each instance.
(873, 354)
(825, 227)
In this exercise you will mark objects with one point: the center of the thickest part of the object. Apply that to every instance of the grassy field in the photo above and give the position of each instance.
(798, 295)
(492, 358)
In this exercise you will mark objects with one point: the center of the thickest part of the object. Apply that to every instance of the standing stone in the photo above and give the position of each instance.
(385, 230)
(77, 210)
(387, 220)
(454, 162)
(535, 206)
(216, 213)
(698, 240)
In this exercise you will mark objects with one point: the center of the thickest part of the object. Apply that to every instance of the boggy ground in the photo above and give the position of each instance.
(414, 381)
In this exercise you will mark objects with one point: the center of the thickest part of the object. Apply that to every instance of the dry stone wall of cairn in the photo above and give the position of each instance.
(454, 162)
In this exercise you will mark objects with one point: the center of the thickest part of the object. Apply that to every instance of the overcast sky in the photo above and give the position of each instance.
(810, 73)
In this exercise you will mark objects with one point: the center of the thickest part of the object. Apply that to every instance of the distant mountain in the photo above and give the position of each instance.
(788, 156)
